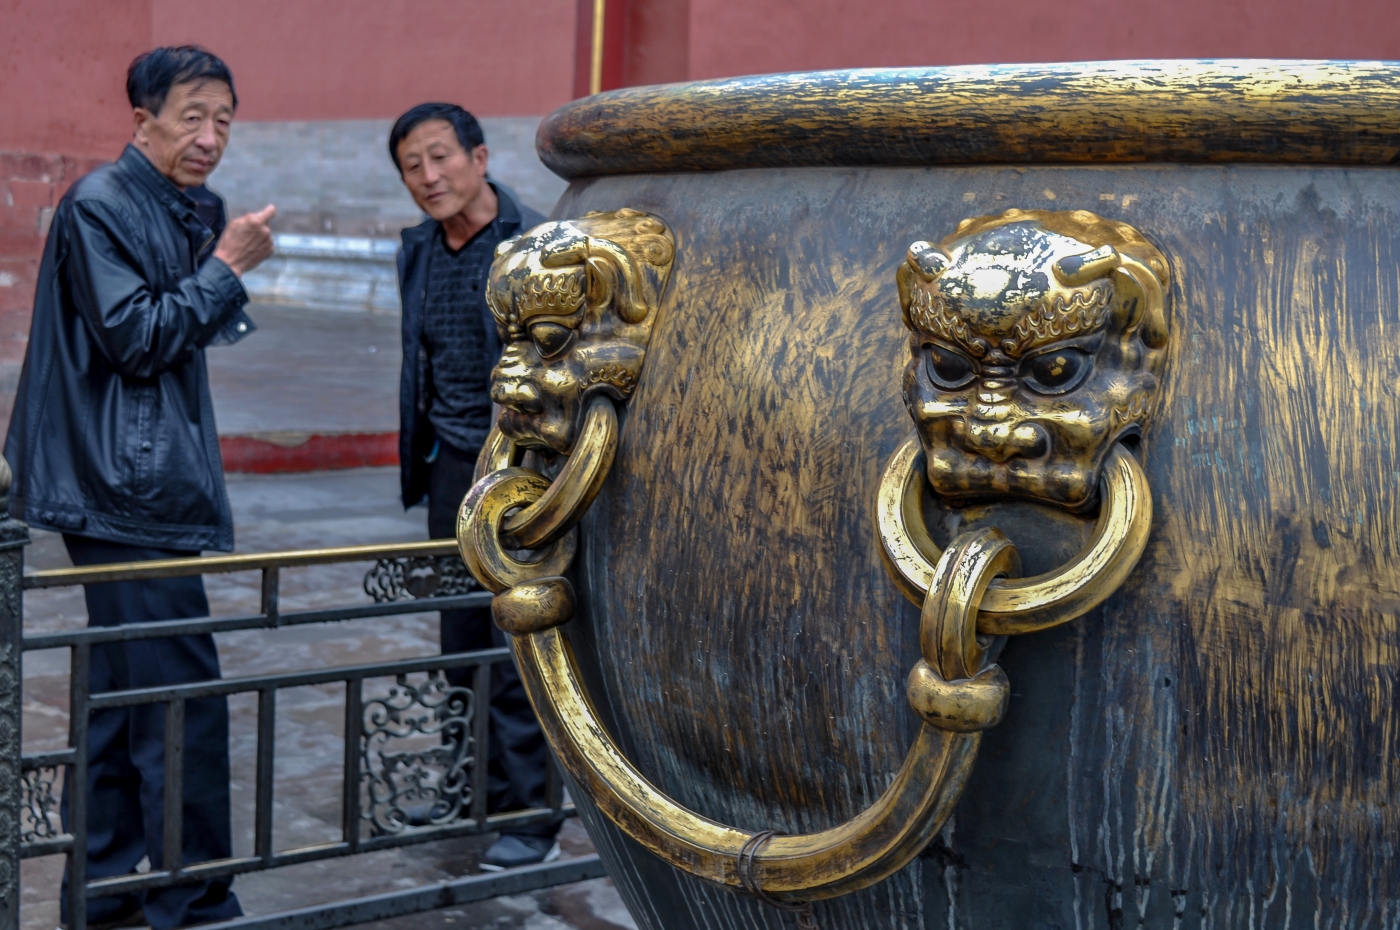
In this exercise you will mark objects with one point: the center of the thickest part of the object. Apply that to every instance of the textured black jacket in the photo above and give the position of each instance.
(112, 434)
(416, 434)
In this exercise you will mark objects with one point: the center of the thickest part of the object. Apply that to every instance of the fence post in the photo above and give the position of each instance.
(14, 536)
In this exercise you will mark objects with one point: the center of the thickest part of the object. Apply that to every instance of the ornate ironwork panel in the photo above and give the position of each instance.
(418, 577)
(38, 788)
(417, 752)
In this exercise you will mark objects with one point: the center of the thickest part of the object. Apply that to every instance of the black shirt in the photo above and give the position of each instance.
(459, 361)
(417, 437)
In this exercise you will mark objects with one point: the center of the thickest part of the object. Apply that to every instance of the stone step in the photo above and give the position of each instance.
(340, 273)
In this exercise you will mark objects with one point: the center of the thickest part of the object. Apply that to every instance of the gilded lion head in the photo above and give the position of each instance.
(1037, 339)
(575, 302)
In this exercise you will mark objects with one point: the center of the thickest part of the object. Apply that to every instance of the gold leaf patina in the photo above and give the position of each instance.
(575, 302)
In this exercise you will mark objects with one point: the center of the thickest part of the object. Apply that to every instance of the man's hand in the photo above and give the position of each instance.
(247, 241)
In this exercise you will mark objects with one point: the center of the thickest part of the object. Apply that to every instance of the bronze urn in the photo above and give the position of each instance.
(964, 497)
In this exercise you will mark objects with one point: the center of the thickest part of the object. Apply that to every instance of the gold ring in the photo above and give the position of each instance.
(952, 687)
(479, 530)
(579, 481)
(947, 630)
(856, 854)
(1022, 605)
(560, 507)
(496, 453)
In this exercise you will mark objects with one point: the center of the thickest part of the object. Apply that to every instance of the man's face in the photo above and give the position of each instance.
(186, 139)
(442, 176)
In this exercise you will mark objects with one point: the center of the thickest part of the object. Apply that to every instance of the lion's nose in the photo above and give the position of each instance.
(520, 396)
(1001, 442)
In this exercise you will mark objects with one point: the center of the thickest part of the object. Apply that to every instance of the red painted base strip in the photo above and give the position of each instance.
(292, 452)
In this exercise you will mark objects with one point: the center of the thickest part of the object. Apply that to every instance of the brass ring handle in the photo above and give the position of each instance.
(496, 453)
(952, 688)
(846, 858)
(610, 270)
(479, 536)
(567, 497)
(1021, 605)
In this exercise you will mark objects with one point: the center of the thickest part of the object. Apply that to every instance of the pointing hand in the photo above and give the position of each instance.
(247, 241)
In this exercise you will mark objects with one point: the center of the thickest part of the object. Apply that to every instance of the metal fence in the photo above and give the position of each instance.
(421, 743)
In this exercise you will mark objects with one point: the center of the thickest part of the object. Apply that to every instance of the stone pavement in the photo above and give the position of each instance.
(308, 371)
(310, 390)
(302, 372)
(294, 511)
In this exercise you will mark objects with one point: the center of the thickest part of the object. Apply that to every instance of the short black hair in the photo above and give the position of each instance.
(152, 74)
(467, 128)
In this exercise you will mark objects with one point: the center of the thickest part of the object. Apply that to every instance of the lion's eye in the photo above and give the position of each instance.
(550, 338)
(1058, 371)
(948, 369)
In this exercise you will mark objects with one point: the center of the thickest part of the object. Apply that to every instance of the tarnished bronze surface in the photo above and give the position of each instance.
(1009, 291)
(952, 687)
(1213, 745)
(750, 660)
(1299, 112)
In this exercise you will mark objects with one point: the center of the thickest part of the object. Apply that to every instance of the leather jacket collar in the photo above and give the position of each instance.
(135, 163)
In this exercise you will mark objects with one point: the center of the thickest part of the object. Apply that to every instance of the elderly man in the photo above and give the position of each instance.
(450, 345)
(113, 445)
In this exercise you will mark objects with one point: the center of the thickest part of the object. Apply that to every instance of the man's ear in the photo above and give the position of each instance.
(139, 117)
(479, 155)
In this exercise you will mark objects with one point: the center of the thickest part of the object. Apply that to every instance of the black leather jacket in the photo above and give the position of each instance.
(113, 433)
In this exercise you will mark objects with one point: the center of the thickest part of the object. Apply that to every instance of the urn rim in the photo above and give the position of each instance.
(1181, 111)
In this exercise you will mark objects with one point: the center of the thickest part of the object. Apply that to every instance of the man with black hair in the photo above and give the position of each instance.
(113, 445)
(450, 345)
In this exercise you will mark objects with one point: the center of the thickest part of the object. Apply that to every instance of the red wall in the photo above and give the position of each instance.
(63, 73)
(62, 110)
(373, 59)
(63, 62)
(729, 38)
(670, 40)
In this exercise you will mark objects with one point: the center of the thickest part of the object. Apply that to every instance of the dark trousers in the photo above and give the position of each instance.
(126, 746)
(519, 758)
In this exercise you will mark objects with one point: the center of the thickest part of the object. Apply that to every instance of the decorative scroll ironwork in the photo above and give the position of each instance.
(39, 804)
(409, 781)
(408, 753)
(11, 800)
(418, 577)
